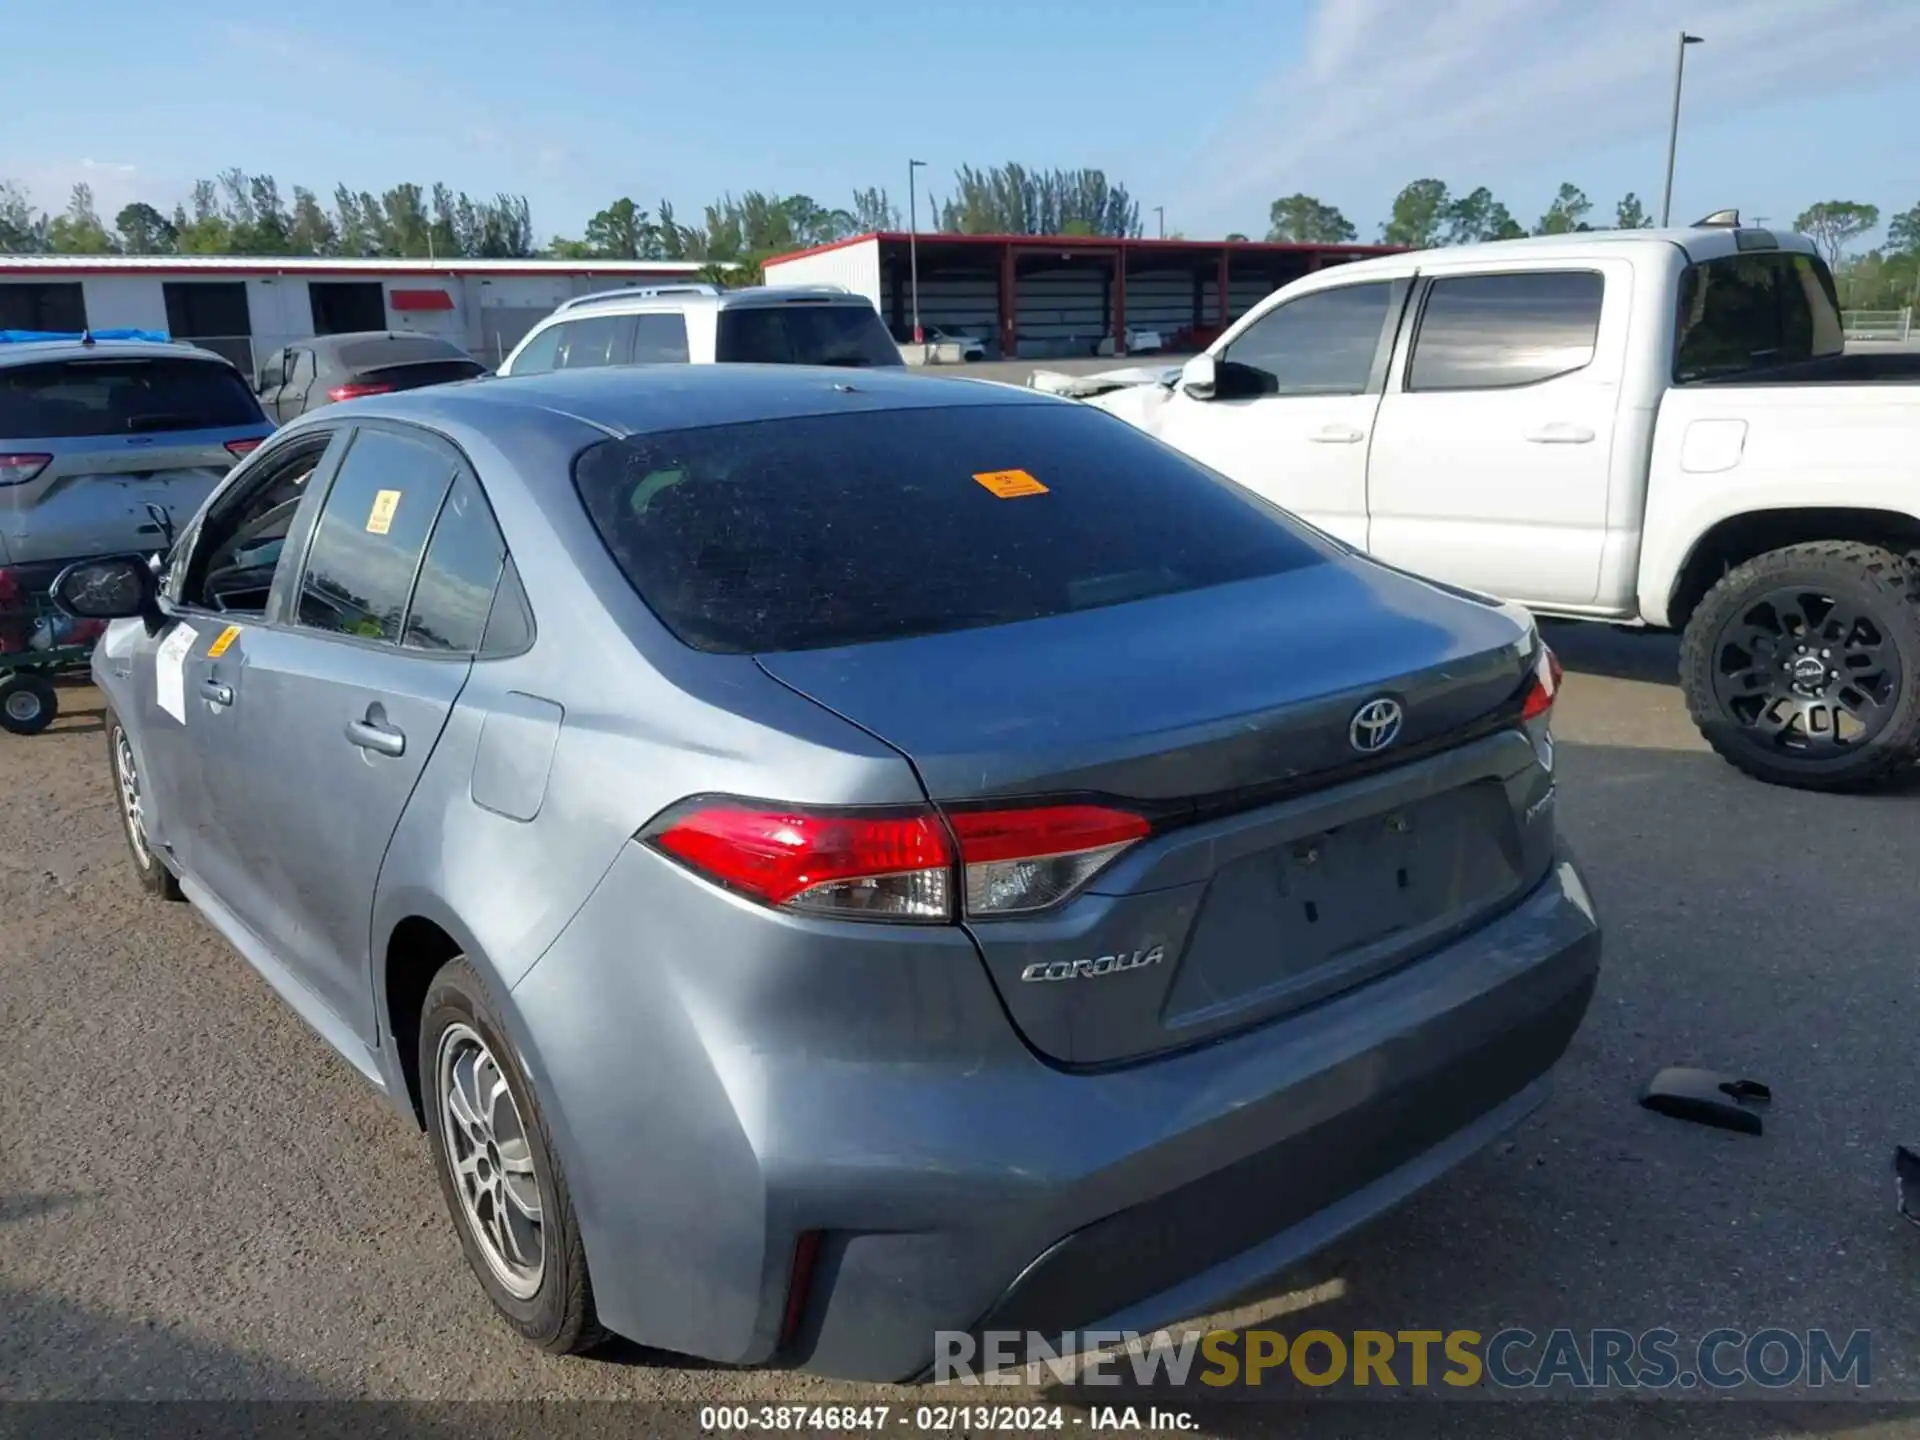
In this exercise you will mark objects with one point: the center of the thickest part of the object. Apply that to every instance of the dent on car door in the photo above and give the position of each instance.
(346, 693)
(1293, 412)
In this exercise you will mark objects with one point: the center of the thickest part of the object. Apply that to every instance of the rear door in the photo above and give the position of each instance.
(1493, 455)
(1293, 415)
(96, 442)
(297, 396)
(338, 701)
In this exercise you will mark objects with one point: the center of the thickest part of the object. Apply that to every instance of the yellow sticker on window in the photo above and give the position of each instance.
(222, 641)
(1010, 484)
(380, 518)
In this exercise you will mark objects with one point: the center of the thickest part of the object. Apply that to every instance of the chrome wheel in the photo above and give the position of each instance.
(491, 1161)
(128, 776)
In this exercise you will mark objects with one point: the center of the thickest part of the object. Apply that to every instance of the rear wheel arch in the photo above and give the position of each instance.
(1747, 536)
(417, 949)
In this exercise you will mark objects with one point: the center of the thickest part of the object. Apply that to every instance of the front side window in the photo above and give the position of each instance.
(1320, 344)
(1492, 332)
(587, 344)
(233, 557)
(372, 532)
(825, 530)
(1743, 313)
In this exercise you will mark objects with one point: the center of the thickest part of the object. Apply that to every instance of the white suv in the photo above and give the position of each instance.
(704, 325)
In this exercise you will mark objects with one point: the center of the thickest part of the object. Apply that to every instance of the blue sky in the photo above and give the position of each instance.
(1208, 107)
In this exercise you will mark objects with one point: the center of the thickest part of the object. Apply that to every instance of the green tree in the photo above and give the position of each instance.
(144, 230)
(309, 230)
(1630, 214)
(1903, 231)
(1833, 224)
(622, 231)
(872, 210)
(1419, 215)
(1014, 200)
(22, 231)
(1478, 216)
(1304, 220)
(1235, 235)
(77, 230)
(1567, 213)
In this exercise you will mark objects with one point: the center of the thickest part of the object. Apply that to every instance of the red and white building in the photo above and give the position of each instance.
(249, 306)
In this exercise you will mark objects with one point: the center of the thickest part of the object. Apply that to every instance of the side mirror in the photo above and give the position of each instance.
(1197, 377)
(117, 588)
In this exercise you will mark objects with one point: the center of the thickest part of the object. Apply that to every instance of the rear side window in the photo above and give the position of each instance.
(67, 399)
(1743, 313)
(1491, 332)
(659, 340)
(588, 343)
(840, 529)
(371, 534)
(458, 576)
(1320, 344)
(803, 334)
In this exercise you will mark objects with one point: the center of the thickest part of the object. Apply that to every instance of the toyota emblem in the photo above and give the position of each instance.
(1376, 725)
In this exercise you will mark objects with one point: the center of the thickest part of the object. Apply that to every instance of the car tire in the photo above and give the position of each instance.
(493, 1158)
(28, 703)
(1829, 628)
(130, 799)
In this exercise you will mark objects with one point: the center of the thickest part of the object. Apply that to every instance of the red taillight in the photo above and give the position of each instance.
(1029, 858)
(18, 469)
(806, 1253)
(242, 447)
(354, 392)
(897, 866)
(1544, 687)
(894, 866)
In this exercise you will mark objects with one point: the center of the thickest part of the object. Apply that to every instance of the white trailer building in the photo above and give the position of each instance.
(247, 307)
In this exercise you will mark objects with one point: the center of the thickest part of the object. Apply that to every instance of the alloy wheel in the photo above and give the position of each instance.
(492, 1163)
(1806, 674)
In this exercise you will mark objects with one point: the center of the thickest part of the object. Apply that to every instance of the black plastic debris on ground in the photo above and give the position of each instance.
(1906, 1182)
(1707, 1098)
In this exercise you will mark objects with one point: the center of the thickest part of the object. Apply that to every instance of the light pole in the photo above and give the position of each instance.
(913, 245)
(1161, 212)
(1673, 130)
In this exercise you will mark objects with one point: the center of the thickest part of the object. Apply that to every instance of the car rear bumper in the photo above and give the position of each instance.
(957, 1182)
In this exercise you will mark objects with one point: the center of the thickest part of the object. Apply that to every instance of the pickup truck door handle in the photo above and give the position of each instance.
(1559, 433)
(373, 733)
(1337, 435)
(216, 692)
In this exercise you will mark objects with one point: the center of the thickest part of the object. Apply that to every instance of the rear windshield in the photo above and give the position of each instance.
(841, 529)
(1746, 313)
(414, 374)
(396, 350)
(803, 334)
(66, 399)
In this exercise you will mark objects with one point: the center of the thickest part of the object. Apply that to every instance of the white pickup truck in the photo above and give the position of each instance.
(1656, 427)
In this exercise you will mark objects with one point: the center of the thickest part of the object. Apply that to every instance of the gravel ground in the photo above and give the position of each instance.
(198, 1201)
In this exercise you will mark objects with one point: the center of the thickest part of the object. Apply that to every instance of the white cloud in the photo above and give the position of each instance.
(1386, 89)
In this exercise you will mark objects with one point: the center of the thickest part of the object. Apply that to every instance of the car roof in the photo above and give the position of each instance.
(35, 352)
(682, 297)
(1700, 242)
(639, 399)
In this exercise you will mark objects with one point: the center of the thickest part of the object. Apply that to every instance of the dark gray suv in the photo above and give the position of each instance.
(836, 857)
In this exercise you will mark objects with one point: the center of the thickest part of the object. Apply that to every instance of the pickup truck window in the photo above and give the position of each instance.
(1493, 332)
(1744, 313)
(1320, 344)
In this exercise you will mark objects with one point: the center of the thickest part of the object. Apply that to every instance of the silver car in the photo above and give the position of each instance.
(831, 859)
(106, 444)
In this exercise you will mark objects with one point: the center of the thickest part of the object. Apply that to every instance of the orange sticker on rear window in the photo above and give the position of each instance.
(1010, 484)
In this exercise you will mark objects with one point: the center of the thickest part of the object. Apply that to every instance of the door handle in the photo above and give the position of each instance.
(1337, 435)
(379, 738)
(1560, 433)
(216, 692)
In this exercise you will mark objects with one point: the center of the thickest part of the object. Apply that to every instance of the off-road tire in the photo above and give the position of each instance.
(559, 1317)
(1882, 583)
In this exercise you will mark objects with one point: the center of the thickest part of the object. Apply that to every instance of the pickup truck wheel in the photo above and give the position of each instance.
(498, 1172)
(1802, 666)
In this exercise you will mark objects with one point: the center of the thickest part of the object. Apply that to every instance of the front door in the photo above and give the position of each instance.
(333, 721)
(1293, 414)
(1493, 453)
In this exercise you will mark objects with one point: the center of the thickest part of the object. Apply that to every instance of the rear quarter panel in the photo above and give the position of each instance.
(1724, 451)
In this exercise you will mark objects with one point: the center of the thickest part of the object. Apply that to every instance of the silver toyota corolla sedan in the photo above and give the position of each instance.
(832, 858)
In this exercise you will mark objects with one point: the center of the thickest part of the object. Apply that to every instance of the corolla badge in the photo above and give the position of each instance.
(1093, 969)
(1375, 725)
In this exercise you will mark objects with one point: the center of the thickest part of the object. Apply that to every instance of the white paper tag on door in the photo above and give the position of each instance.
(169, 671)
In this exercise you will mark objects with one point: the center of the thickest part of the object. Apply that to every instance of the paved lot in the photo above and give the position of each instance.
(198, 1200)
